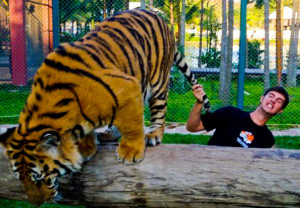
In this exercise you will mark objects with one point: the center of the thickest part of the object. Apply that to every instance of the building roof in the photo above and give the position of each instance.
(287, 13)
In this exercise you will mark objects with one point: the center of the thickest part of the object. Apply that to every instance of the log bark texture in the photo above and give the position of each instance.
(178, 176)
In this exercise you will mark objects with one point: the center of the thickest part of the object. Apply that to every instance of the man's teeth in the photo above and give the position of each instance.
(270, 106)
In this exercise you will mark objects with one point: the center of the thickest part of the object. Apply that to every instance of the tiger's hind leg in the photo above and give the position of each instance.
(87, 145)
(158, 108)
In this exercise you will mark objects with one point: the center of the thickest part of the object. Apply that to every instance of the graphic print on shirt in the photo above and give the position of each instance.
(245, 138)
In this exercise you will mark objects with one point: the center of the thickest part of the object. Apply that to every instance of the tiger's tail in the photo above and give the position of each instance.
(184, 68)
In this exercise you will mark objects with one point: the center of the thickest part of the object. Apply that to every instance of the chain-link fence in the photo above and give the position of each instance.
(203, 32)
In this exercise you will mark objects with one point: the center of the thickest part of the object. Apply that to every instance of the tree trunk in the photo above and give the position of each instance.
(223, 52)
(104, 9)
(178, 21)
(151, 4)
(172, 16)
(207, 26)
(279, 56)
(267, 45)
(200, 35)
(210, 26)
(227, 83)
(72, 28)
(178, 176)
(181, 78)
(182, 24)
(293, 50)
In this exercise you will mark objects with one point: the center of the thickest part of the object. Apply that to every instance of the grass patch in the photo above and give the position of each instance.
(185, 139)
(7, 203)
(12, 100)
(282, 142)
(287, 142)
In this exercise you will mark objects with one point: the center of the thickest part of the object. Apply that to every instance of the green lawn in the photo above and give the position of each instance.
(282, 142)
(6, 203)
(12, 100)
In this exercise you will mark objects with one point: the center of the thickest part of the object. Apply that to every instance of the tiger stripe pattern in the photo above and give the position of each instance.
(102, 79)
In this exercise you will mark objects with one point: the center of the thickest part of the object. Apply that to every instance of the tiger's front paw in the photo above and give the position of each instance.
(130, 152)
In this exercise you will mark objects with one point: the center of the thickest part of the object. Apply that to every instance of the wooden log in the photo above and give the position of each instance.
(179, 176)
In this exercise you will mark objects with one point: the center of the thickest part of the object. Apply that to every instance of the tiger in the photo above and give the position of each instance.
(102, 79)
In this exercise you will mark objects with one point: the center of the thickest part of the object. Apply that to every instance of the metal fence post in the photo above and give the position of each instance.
(55, 15)
(18, 42)
(143, 4)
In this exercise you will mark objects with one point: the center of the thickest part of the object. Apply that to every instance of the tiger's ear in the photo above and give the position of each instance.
(5, 134)
(48, 141)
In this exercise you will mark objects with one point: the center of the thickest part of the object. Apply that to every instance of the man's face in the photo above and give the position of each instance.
(272, 102)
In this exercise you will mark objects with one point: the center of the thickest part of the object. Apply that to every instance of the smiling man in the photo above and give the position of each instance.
(237, 128)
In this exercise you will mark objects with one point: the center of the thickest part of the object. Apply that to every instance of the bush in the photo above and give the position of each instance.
(66, 38)
(254, 54)
(211, 58)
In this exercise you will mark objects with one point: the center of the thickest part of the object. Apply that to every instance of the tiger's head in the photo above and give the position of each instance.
(39, 157)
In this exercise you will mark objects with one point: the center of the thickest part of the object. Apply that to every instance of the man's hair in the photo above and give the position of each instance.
(282, 91)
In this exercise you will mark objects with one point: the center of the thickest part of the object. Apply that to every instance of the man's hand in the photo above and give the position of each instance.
(198, 92)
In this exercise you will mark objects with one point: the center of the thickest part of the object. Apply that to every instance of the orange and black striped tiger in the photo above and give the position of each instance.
(102, 79)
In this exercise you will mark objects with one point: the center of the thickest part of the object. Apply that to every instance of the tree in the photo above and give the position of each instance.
(172, 16)
(267, 46)
(201, 29)
(292, 57)
(266, 4)
(223, 52)
(151, 4)
(279, 56)
(178, 13)
(182, 38)
(228, 72)
(104, 9)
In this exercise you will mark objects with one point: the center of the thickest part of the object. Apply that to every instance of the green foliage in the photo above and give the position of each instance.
(211, 58)
(177, 81)
(66, 37)
(287, 61)
(254, 54)
(260, 3)
(83, 13)
(255, 17)
(4, 39)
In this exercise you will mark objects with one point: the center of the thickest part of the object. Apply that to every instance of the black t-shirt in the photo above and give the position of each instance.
(235, 128)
